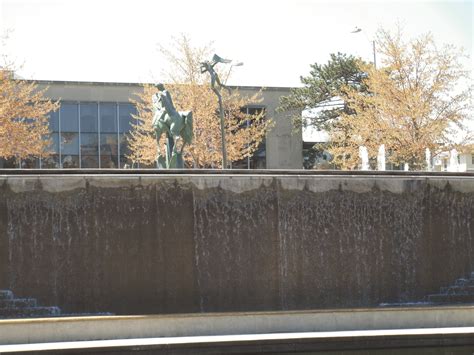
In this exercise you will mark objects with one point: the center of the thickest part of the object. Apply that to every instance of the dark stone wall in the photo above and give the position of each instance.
(175, 244)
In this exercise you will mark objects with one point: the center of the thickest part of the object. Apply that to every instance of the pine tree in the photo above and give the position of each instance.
(323, 89)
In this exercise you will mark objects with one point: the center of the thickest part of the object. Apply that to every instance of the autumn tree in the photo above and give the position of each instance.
(190, 90)
(413, 102)
(24, 129)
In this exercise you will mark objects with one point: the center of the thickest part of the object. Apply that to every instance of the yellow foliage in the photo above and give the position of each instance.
(24, 129)
(413, 103)
(191, 91)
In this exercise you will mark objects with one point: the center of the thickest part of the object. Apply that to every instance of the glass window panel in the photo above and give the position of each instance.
(124, 145)
(255, 110)
(108, 151)
(108, 161)
(69, 117)
(89, 121)
(30, 163)
(126, 163)
(89, 161)
(150, 166)
(108, 118)
(70, 143)
(125, 117)
(54, 147)
(50, 162)
(240, 164)
(259, 158)
(9, 163)
(54, 121)
(70, 161)
(108, 144)
(89, 144)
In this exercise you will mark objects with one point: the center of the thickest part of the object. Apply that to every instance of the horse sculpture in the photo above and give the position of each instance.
(176, 125)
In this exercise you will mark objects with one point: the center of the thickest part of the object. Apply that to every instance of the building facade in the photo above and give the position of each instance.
(90, 129)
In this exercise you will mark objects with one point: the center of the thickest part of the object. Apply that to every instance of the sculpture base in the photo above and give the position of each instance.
(175, 162)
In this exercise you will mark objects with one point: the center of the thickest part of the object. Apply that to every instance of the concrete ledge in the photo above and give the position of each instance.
(409, 340)
(238, 181)
(26, 331)
(230, 172)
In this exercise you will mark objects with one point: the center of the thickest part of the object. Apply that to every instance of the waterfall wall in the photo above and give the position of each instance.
(143, 244)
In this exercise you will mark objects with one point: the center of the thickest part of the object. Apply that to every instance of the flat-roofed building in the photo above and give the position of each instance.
(90, 128)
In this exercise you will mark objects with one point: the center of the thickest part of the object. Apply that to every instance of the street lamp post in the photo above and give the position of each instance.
(375, 58)
(208, 66)
(357, 30)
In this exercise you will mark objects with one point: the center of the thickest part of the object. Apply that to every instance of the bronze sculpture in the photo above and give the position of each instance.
(208, 66)
(176, 125)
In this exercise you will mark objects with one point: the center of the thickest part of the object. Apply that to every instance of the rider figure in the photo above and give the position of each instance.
(166, 112)
(176, 125)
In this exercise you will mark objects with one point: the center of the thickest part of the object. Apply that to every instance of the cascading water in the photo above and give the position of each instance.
(201, 243)
(381, 158)
(364, 158)
(428, 159)
(453, 165)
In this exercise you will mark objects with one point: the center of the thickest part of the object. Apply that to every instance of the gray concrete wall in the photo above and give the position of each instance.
(90, 91)
(53, 330)
(283, 145)
(149, 244)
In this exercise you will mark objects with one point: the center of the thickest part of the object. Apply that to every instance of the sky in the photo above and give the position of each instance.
(117, 40)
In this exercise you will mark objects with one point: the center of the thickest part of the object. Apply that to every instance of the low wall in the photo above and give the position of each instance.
(151, 244)
(69, 329)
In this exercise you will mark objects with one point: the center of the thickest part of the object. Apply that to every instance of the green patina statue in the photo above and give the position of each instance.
(178, 126)
(208, 66)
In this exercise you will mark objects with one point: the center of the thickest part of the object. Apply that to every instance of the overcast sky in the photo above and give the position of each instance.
(116, 40)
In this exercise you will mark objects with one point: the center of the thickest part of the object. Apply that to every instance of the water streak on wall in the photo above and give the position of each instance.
(219, 243)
